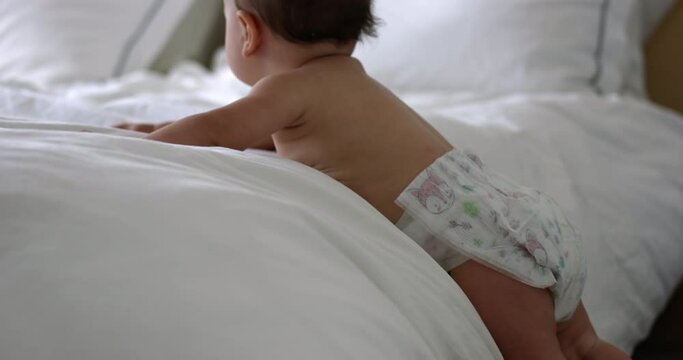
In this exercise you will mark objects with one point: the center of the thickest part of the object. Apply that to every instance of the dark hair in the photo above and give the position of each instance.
(312, 21)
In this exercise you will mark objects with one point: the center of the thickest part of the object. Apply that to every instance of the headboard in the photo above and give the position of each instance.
(664, 59)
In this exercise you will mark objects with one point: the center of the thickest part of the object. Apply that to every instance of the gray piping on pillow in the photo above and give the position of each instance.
(135, 37)
(600, 47)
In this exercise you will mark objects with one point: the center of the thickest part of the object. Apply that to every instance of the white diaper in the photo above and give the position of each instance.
(457, 210)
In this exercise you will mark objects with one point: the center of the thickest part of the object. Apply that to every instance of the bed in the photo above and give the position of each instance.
(113, 247)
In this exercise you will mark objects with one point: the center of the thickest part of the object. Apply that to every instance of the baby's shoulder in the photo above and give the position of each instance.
(301, 83)
(285, 88)
(278, 82)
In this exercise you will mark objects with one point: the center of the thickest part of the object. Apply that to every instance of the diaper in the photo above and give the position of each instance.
(457, 210)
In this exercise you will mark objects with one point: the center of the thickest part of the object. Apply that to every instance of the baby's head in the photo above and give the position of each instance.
(264, 33)
(313, 21)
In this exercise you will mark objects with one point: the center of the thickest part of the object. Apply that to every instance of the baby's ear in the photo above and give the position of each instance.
(251, 32)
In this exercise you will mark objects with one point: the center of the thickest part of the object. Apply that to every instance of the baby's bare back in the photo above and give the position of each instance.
(359, 133)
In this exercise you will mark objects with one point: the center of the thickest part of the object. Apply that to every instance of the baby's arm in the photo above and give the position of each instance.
(264, 144)
(268, 108)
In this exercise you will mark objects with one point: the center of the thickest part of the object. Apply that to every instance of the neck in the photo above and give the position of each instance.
(284, 56)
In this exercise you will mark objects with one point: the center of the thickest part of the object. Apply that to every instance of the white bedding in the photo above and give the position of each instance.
(113, 246)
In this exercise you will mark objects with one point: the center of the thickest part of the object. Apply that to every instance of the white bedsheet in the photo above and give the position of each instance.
(172, 251)
(118, 248)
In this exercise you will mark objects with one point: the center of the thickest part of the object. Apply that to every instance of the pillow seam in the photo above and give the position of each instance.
(135, 37)
(599, 53)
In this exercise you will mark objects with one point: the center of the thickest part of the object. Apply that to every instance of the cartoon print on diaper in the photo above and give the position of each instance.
(434, 194)
(476, 214)
(455, 224)
(475, 159)
(546, 234)
(534, 247)
(514, 224)
(447, 171)
(468, 189)
(495, 217)
(499, 190)
(471, 209)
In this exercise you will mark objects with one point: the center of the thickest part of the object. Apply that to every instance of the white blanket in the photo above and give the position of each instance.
(113, 246)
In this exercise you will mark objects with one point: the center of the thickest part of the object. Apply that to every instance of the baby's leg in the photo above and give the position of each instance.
(520, 318)
(579, 340)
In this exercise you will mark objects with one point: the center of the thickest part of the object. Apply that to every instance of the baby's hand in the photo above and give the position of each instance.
(144, 128)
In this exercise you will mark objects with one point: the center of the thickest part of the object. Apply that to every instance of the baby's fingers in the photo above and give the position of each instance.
(144, 128)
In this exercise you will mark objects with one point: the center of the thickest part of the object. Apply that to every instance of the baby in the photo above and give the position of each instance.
(509, 248)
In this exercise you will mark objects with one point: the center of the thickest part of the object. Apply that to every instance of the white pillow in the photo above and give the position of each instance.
(493, 46)
(195, 38)
(44, 42)
(629, 23)
(620, 50)
(653, 12)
